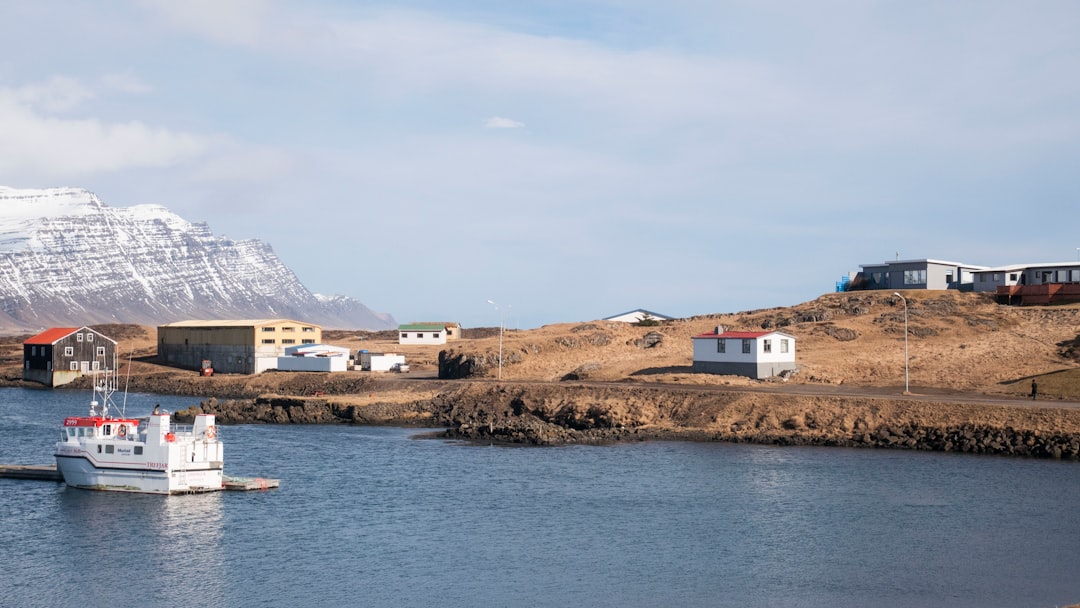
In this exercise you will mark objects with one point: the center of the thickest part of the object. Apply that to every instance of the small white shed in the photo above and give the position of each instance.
(379, 362)
(314, 358)
(756, 354)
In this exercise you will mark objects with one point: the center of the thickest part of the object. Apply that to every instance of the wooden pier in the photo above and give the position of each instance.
(31, 471)
(49, 473)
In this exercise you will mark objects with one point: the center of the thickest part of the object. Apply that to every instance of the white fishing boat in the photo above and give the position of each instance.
(149, 454)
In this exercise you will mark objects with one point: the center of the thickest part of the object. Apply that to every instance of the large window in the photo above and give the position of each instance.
(746, 345)
(766, 346)
(721, 345)
(69, 351)
(914, 277)
(784, 346)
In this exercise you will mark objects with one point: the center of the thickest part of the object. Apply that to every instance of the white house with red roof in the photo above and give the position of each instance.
(757, 354)
(59, 355)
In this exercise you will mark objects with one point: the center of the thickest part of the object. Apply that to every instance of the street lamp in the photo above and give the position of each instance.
(501, 325)
(906, 386)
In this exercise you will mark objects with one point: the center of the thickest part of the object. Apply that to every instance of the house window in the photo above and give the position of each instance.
(69, 351)
(948, 277)
(288, 329)
(721, 345)
(746, 345)
(784, 345)
(1074, 276)
(94, 365)
(89, 337)
(288, 341)
(74, 366)
(269, 329)
(404, 335)
(419, 335)
(78, 337)
(914, 277)
(766, 346)
(309, 329)
(307, 341)
(268, 341)
(1012, 276)
(101, 351)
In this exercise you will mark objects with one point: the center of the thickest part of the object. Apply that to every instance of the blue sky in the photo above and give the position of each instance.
(568, 160)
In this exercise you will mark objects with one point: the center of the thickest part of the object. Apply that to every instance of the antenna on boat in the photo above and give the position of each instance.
(127, 380)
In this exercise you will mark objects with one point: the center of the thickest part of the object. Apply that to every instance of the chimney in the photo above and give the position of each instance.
(719, 329)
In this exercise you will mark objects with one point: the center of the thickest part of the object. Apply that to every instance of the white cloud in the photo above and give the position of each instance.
(125, 83)
(35, 145)
(236, 22)
(498, 122)
(57, 94)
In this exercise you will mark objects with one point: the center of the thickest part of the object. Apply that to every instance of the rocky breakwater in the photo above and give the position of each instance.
(277, 409)
(547, 415)
(557, 414)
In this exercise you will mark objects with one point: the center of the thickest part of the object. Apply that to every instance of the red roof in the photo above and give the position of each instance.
(52, 336)
(736, 334)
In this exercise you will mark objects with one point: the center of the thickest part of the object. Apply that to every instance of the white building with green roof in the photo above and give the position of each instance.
(428, 333)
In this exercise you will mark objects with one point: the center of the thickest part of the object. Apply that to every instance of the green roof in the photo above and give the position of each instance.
(422, 327)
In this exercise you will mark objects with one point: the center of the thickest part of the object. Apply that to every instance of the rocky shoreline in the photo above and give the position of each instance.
(546, 414)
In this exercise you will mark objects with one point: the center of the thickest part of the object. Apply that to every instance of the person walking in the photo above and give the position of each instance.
(1034, 389)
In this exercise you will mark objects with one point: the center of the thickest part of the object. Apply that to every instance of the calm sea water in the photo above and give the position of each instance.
(374, 517)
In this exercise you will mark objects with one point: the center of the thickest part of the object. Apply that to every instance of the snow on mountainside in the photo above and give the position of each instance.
(66, 258)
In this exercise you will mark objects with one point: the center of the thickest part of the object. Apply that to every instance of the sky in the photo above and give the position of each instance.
(568, 161)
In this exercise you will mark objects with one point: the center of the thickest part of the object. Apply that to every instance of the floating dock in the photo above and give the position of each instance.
(242, 484)
(49, 473)
(31, 471)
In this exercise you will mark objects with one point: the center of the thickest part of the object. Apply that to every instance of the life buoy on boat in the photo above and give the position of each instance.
(122, 431)
(211, 432)
(170, 437)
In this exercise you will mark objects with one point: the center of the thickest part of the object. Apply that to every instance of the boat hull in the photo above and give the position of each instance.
(80, 472)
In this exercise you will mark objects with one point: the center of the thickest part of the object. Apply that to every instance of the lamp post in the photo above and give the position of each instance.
(501, 325)
(906, 385)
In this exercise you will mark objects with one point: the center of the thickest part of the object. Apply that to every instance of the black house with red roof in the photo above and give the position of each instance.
(59, 355)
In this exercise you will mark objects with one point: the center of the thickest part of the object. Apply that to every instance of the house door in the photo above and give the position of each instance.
(84, 366)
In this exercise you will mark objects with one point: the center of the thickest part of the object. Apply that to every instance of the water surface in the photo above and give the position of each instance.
(371, 516)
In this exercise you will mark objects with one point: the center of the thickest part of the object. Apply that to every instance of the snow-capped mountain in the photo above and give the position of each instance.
(66, 258)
